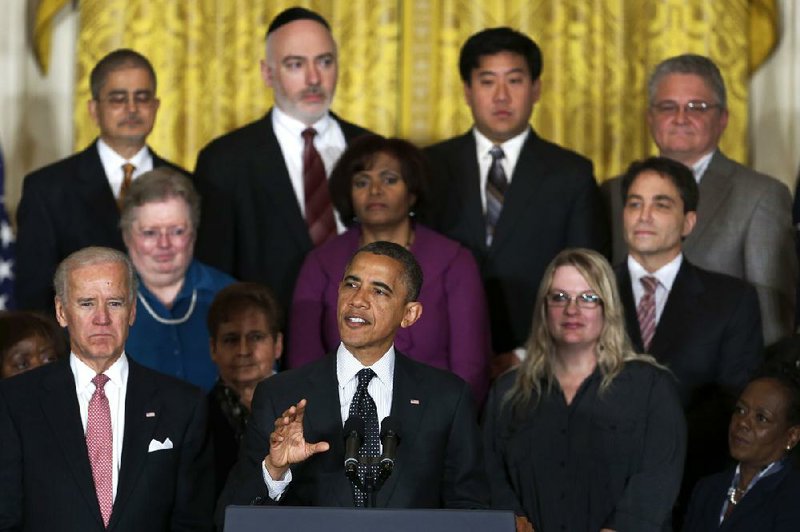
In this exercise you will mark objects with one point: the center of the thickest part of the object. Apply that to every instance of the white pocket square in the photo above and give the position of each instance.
(156, 445)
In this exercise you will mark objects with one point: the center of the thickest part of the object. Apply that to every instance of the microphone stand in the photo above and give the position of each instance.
(371, 484)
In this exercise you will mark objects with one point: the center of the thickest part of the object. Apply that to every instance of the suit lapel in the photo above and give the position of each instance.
(323, 418)
(60, 405)
(715, 187)
(677, 311)
(525, 181)
(467, 185)
(408, 405)
(629, 305)
(272, 177)
(92, 186)
(759, 495)
(141, 398)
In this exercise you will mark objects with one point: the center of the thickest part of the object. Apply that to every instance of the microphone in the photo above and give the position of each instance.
(390, 439)
(353, 437)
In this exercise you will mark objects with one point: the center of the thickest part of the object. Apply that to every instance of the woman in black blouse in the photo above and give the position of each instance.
(585, 435)
(762, 492)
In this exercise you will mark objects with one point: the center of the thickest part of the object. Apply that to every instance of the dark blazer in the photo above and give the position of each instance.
(709, 332)
(770, 506)
(438, 465)
(744, 229)
(65, 207)
(709, 336)
(251, 224)
(45, 474)
(552, 203)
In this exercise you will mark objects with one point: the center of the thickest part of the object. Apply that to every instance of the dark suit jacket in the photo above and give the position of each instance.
(770, 506)
(744, 229)
(552, 203)
(45, 475)
(709, 336)
(65, 207)
(438, 465)
(251, 225)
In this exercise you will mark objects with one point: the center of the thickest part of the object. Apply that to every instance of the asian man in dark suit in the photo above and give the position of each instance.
(264, 186)
(704, 326)
(508, 195)
(294, 449)
(72, 203)
(744, 221)
(98, 442)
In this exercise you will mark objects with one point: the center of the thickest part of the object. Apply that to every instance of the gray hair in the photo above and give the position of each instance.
(88, 257)
(159, 184)
(699, 65)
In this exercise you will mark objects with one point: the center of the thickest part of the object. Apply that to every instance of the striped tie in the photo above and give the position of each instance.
(646, 312)
(496, 185)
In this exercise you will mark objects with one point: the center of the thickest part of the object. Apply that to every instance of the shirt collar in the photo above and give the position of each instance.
(295, 127)
(511, 147)
(112, 159)
(699, 168)
(665, 274)
(347, 366)
(117, 373)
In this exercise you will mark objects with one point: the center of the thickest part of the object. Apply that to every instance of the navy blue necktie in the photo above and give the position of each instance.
(364, 407)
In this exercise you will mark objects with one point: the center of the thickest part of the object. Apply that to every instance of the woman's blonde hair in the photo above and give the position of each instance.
(613, 347)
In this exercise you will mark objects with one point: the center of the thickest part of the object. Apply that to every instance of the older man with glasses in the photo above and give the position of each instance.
(744, 221)
(73, 203)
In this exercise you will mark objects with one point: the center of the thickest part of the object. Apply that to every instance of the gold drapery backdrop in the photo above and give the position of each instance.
(398, 71)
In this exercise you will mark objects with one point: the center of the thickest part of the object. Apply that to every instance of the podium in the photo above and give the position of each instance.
(314, 519)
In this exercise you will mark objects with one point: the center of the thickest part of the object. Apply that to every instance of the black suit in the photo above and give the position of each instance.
(45, 474)
(771, 506)
(552, 203)
(709, 336)
(438, 465)
(251, 225)
(65, 207)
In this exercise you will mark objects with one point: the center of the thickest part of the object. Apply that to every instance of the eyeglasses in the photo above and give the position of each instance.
(151, 235)
(586, 300)
(693, 108)
(122, 98)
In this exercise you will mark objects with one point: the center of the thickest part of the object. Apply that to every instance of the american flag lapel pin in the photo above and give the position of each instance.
(414, 401)
(150, 414)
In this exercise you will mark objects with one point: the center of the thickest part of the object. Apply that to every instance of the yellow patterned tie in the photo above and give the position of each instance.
(127, 177)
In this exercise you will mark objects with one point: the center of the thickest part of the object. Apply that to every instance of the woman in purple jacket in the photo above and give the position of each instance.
(378, 186)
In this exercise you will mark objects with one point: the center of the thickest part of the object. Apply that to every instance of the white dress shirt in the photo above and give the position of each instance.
(511, 150)
(112, 164)
(347, 368)
(699, 168)
(665, 275)
(115, 389)
(329, 141)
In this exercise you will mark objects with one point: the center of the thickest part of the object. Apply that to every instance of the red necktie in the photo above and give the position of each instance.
(319, 211)
(646, 311)
(99, 441)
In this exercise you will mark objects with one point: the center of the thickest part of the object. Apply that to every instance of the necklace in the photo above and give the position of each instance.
(167, 321)
(735, 495)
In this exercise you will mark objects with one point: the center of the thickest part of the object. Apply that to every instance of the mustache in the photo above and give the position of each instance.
(313, 90)
(132, 120)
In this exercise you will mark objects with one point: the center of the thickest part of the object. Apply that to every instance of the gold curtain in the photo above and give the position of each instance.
(398, 64)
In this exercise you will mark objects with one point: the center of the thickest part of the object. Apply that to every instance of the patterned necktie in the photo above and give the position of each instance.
(319, 211)
(646, 311)
(496, 185)
(363, 406)
(99, 441)
(127, 177)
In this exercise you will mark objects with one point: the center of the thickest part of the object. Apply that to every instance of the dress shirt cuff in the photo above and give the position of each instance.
(276, 488)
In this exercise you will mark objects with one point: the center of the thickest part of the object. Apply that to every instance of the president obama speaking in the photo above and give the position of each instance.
(294, 449)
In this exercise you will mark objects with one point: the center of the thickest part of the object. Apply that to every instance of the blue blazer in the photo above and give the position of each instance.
(770, 506)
